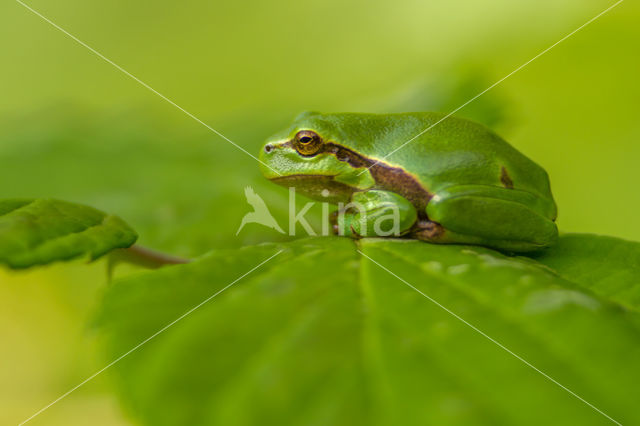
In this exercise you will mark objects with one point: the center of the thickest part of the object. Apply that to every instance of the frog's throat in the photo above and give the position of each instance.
(318, 187)
(386, 176)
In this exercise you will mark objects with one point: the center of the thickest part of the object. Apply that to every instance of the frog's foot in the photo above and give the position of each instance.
(374, 213)
(343, 227)
(427, 230)
(433, 232)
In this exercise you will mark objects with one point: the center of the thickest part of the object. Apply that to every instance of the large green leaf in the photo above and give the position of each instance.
(35, 232)
(607, 266)
(320, 334)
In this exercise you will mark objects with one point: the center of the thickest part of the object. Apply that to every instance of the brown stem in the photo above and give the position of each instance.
(142, 256)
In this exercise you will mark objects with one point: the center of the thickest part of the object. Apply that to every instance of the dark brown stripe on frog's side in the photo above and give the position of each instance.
(505, 178)
(389, 178)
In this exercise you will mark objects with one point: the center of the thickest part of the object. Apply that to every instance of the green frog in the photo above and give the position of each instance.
(458, 182)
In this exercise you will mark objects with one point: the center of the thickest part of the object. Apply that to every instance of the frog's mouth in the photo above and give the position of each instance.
(317, 187)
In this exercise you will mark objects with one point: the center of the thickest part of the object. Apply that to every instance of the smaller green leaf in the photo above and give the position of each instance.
(36, 232)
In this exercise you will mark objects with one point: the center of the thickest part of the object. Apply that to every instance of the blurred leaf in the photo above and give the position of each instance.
(36, 232)
(180, 186)
(321, 335)
(183, 190)
(445, 93)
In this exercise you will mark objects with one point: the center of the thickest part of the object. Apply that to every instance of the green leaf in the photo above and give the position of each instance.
(610, 267)
(320, 334)
(36, 232)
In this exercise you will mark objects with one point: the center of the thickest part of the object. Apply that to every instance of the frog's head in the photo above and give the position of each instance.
(312, 156)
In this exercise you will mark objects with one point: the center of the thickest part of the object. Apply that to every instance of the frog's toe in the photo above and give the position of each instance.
(427, 230)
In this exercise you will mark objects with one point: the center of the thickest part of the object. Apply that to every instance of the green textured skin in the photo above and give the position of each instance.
(376, 204)
(458, 161)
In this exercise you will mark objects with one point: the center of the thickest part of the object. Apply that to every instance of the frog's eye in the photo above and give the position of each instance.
(307, 142)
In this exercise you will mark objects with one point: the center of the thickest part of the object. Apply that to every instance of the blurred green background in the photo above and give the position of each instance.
(74, 127)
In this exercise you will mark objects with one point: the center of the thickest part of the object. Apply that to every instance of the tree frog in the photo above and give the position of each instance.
(458, 182)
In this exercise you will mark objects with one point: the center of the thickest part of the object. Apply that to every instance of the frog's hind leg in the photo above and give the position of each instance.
(488, 216)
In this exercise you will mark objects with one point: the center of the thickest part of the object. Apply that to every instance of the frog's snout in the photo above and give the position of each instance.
(268, 158)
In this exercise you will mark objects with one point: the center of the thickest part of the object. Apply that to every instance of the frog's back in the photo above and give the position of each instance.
(441, 151)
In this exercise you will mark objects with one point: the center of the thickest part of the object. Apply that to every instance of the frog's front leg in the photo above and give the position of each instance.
(501, 218)
(374, 213)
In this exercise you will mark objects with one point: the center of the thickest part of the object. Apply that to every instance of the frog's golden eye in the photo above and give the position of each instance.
(307, 142)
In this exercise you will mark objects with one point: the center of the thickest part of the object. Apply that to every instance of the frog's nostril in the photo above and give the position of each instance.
(268, 148)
